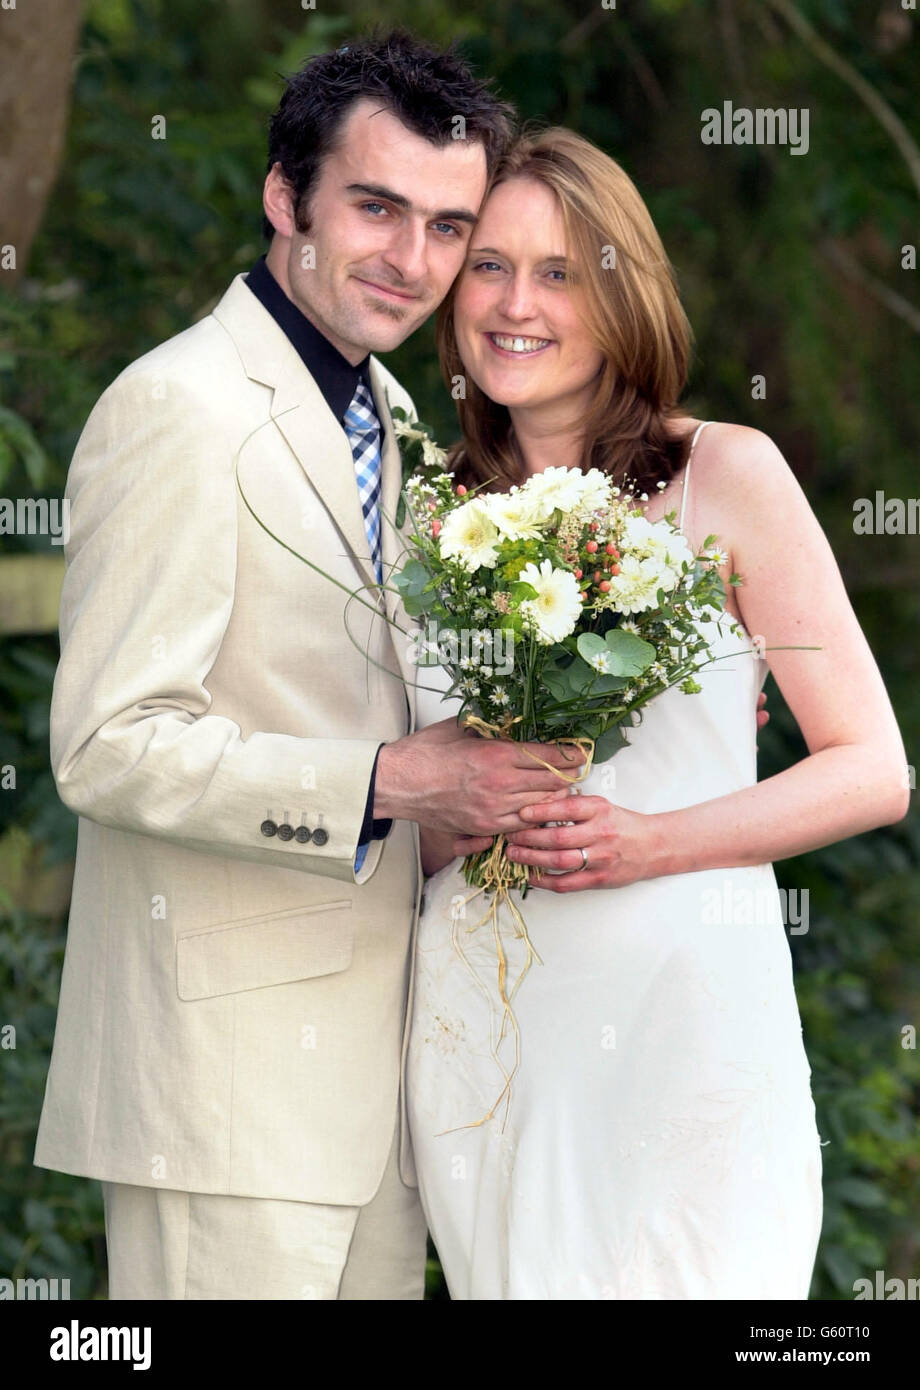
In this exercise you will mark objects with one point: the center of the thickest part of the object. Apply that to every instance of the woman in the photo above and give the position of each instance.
(660, 1140)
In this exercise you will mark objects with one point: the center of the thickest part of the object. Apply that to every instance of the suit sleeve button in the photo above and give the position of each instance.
(302, 834)
(269, 827)
(320, 836)
(285, 832)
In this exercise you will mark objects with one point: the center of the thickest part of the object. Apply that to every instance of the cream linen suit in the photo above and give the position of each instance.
(233, 1006)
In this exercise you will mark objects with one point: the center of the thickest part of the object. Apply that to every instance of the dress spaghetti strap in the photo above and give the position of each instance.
(683, 501)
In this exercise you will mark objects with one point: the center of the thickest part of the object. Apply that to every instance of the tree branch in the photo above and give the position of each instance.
(867, 94)
(879, 291)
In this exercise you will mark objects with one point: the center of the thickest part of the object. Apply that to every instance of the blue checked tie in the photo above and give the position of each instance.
(363, 430)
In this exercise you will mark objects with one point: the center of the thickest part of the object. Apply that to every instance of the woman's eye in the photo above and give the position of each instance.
(563, 275)
(487, 265)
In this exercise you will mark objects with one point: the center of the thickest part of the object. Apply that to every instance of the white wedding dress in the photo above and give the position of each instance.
(660, 1141)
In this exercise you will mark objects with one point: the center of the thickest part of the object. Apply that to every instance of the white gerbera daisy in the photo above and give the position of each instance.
(470, 536)
(515, 514)
(557, 607)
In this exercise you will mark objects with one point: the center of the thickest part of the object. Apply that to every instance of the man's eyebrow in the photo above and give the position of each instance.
(379, 190)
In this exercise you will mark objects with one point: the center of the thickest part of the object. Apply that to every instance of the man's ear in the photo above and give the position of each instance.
(278, 201)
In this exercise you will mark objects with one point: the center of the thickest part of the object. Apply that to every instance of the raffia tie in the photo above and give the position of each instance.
(498, 876)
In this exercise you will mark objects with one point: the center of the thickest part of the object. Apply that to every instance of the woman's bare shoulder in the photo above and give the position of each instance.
(737, 466)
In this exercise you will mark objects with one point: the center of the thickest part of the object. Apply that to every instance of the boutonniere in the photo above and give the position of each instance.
(419, 454)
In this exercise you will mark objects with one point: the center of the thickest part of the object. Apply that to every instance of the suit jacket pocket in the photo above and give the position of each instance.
(256, 952)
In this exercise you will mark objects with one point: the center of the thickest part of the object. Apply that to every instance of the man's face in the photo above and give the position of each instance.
(390, 218)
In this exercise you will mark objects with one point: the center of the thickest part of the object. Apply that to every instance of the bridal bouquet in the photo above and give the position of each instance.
(558, 610)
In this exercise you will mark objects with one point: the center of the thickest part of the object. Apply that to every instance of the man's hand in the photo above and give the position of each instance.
(494, 779)
(458, 782)
(762, 715)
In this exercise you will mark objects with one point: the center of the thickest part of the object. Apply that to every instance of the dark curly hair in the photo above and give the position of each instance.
(424, 87)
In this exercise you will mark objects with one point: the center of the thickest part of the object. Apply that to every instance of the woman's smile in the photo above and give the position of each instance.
(517, 345)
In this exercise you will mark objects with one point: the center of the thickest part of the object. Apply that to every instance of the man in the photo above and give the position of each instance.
(233, 1001)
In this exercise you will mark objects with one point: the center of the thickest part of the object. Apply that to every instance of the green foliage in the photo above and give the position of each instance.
(51, 1225)
(140, 238)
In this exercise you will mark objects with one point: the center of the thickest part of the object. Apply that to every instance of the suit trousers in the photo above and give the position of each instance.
(166, 1244)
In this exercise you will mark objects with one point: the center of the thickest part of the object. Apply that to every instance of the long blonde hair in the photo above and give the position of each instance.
(629, 300)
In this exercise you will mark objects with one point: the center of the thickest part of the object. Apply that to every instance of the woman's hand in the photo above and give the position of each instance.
(626, 844)
(622, 846)
(436, 848)
(762, 713)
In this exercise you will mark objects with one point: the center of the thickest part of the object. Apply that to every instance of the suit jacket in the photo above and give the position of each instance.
(233, 1005)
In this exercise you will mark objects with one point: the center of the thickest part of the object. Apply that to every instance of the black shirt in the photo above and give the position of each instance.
(338, 380)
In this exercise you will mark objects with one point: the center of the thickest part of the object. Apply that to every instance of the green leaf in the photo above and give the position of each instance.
(521, 590)
(623, 653)
(557, 683)
(857, 1192)
(591, 646)
(412, 579)
(610, 742)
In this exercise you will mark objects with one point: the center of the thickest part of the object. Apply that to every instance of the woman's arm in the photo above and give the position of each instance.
(855, 777)
(436, 849)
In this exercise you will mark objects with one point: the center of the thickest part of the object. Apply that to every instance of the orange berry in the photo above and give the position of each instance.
(578, 574)
(604, 585)
(614, 569)
(611, 548)
(597, 575)
(591, 547)
(461, 490)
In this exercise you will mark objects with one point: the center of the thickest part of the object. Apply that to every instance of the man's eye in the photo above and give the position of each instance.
(446, 227)
(373, 205)
(487, 265)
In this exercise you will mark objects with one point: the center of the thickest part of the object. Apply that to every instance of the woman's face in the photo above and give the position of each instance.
(520, 334)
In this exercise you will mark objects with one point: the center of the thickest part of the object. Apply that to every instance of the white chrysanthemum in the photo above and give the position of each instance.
(595, 492)
(431, 453)
(557, 607)
(515, 513)
(654, 540)
(555, 487)
(635, 588)
(469, 536)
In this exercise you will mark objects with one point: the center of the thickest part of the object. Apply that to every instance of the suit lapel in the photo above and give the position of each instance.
(319, 443)
(392, 542)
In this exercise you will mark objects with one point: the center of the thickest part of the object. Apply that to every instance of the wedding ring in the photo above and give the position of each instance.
(584, 861)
